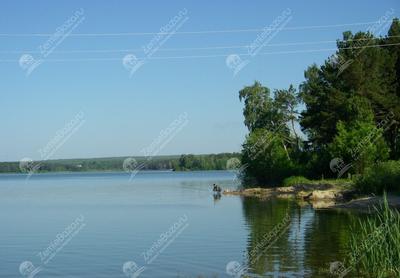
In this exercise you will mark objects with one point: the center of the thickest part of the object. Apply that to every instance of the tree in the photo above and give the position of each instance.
(359, 69)
(393, 134)
(266, 158)
(286, 102)
(269, 147)
(360, 143)
(346, 100)
(259, 111)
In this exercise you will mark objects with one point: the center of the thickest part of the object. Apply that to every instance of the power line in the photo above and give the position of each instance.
(193, 32)
(208, 56)
(190, 48)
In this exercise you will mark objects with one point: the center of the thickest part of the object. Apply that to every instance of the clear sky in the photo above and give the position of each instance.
(123, 115)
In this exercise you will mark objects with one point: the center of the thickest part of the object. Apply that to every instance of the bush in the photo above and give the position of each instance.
(360, 142)
(267, 160)
(295, 180)
(384, 176)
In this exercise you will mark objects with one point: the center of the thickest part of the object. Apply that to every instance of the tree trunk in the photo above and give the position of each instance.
(295, 135)
(284, 146)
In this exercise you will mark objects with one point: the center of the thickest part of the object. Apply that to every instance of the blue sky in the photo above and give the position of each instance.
(124, 115)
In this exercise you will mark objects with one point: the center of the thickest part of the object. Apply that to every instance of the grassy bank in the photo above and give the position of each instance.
(295, 180)
(375, 251)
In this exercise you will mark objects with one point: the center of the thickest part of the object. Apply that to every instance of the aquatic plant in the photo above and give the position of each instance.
(375, 245)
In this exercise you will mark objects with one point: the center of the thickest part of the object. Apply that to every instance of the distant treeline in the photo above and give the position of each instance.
(184, 162)
(204, 162)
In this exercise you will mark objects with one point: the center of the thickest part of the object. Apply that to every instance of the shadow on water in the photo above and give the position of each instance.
(304, 246)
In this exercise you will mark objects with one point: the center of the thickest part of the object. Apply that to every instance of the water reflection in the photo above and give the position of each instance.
(310, 241)
(127, 218)
(216, 197)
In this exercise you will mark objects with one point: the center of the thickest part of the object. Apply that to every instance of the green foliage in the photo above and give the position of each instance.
(269, 148)
(259, 110)
(375, 248)
(184, 162)
(294, 180)
(384, 176)
(360, 143)
(9, 167)
(267, 160)
(286, 102)
(358, 77)
(204, 162)
(346, 101)
(316, 164)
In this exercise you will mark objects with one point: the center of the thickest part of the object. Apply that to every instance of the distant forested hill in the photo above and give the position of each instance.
(185, 162)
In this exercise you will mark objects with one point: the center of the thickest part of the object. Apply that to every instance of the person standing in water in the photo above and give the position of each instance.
(216, 188)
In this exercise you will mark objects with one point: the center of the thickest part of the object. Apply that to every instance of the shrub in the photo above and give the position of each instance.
(267, 160)
(360, 142)
(384, 176)
(295, 180)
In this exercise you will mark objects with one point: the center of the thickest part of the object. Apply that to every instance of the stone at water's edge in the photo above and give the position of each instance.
(322, 204)
(326, 194)
(325, 197)
(307, 192)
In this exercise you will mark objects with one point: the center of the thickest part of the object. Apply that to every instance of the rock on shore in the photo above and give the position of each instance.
(321, 196)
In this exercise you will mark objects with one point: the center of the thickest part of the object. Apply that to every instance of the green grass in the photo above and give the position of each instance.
(294, 180)
(375, 244)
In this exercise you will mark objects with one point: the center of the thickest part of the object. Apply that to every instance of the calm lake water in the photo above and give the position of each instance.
(162, 224)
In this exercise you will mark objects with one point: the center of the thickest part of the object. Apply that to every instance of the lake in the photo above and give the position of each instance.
(159, 224)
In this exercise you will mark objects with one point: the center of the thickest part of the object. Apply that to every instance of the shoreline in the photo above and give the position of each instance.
(108, 171)
(320, 196)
